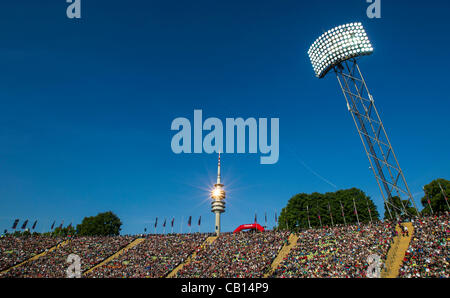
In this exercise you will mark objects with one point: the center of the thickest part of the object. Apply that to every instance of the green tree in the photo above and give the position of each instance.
(436, 195)
(103, 224)
(64, 232)
(328, 206)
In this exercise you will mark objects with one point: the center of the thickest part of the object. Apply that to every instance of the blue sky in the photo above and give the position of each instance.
(86, 105)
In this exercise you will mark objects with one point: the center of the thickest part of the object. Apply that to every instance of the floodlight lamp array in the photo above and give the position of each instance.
(337, 45)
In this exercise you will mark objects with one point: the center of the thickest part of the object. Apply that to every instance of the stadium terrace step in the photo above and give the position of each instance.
(63, 243)
(397, 252)
(173, 273)
(107, 260)
(285, 250)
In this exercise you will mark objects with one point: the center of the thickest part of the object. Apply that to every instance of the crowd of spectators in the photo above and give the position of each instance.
(330, 252)
(16, 249)
(91, 250)
(156, 256)
(336, 252)
(240, 255)
(428, 253)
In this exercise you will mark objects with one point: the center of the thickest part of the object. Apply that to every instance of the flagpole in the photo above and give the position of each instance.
(276, 219)
(356, 211)
(331, 214)
(343, 213)
(320, 219)
(181, 225)
(368, 208)
(445, 196)
(307, 210)
(429, 204)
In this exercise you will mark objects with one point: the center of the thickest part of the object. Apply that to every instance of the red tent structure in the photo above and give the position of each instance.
(254, 226)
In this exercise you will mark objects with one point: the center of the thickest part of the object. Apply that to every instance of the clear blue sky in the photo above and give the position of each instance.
(86, 105)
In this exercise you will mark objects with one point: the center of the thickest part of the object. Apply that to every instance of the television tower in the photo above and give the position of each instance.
(338, 50)
(218, 199)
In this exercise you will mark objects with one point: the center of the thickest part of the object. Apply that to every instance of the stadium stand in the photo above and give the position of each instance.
(157, 256)
(428, 254)
(240, 255)
(336, 252)
(92, 250)
(14, 250)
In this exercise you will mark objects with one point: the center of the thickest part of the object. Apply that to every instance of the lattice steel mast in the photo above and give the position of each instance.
(338, 50)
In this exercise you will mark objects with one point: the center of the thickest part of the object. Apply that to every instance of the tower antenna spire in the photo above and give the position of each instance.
(218, 170)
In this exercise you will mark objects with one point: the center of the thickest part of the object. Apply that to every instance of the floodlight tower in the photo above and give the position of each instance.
(218, 199)
(338, 49)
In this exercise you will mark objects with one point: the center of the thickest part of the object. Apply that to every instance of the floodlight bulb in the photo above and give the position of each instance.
(337, 45)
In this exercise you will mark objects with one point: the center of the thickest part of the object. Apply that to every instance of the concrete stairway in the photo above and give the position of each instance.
(397, 252)
(292, 241)
(173, 273)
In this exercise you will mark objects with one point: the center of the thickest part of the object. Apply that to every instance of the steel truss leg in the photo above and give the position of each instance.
(377, 146)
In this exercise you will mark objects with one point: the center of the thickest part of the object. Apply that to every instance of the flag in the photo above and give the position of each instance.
(145, 230)
(173, 219)
(25, 224)
(200, 220)
(276, 218)
(16, 222)
(255, 218)
(164, 224)
(189, 221)
(34, 225)
(5, 232)
(61, 225)
(156, 222)
(53, 225)
(265, 218)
